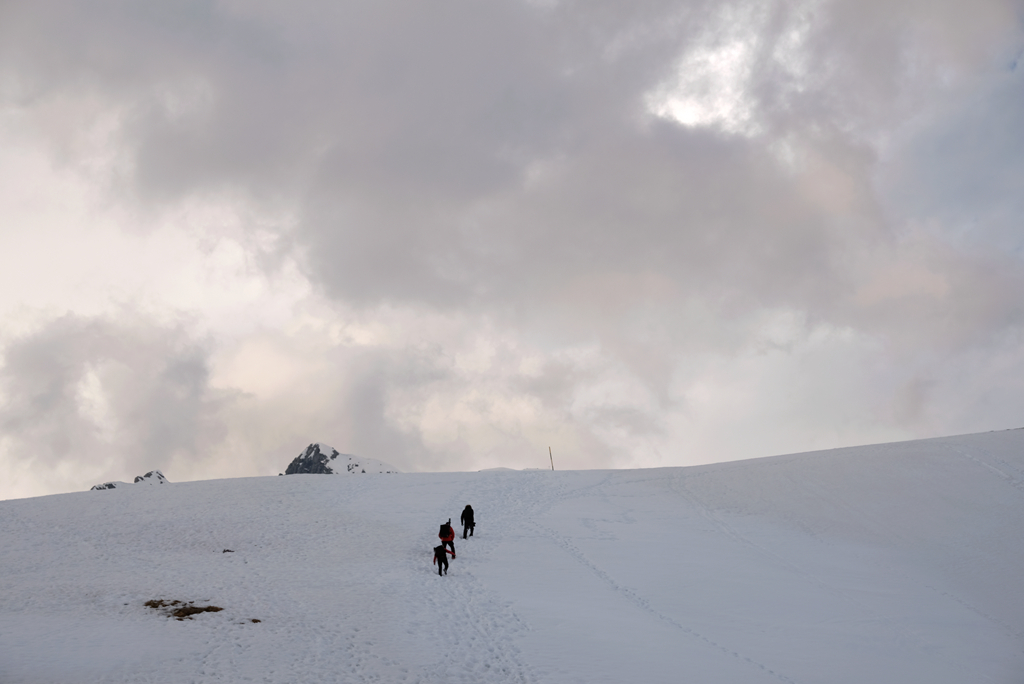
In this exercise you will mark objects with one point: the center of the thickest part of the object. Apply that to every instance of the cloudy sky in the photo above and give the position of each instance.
(451, 234)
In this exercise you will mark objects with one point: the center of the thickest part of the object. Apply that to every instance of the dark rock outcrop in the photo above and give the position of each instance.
(313, 461)
(152, 477)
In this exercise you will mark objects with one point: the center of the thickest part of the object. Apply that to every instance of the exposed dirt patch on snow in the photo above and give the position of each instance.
(181, 610)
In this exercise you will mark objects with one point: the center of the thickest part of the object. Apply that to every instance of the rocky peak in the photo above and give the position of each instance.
(322, 459)
(153, 477)
(315, 460)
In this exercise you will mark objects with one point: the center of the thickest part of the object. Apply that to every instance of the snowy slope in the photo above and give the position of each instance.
(890, 563)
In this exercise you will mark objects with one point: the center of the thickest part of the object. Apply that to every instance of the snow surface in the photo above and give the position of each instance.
(891, 563)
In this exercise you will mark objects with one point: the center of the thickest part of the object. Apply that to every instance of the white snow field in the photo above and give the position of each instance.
(891, 563)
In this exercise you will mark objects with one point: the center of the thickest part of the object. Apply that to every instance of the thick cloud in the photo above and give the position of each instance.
(625, 228)
(98, 398)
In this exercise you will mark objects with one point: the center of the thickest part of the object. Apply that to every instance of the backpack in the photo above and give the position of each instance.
(445, 530)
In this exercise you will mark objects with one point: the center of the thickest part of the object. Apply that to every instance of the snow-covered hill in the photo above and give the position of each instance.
(891, 563)
(321, 459)
(153, 477)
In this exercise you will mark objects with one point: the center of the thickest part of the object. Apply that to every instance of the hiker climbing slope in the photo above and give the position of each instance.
(447, 535)
(441, 559)
(467, 521)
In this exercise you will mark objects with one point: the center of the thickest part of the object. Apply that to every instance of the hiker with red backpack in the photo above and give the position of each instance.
(447, 536)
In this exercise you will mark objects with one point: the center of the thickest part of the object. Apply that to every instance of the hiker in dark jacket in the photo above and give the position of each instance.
(467, 521)
(447, 536)
(441, 559)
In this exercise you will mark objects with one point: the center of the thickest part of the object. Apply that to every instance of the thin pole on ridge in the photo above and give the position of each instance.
(552, 458)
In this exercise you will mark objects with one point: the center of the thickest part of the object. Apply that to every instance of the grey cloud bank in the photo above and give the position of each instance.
(448, 236)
